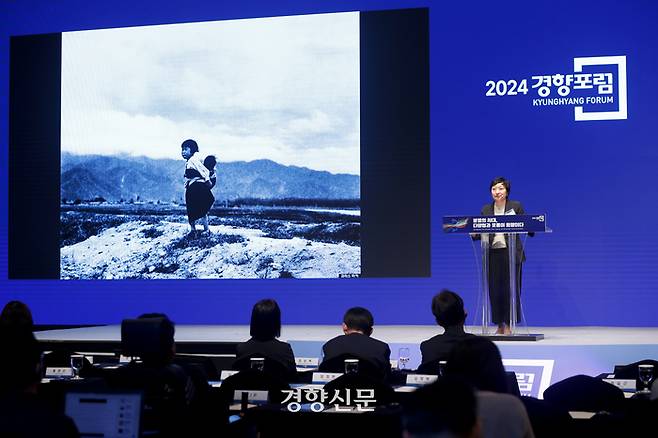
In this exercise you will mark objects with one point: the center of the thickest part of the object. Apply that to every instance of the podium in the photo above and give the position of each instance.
(511, 227)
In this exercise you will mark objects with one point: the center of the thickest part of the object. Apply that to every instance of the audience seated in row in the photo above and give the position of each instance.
(265, 328)
(472, 398)
(356, 341)
(448, 310)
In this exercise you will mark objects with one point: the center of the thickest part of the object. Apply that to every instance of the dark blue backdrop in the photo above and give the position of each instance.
(594, 179)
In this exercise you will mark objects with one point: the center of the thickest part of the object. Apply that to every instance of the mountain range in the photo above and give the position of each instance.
(125, 177)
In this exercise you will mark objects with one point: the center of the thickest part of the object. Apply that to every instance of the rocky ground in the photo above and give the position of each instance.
(162, 250)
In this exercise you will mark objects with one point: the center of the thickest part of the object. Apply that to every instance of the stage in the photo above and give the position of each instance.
(564, 352)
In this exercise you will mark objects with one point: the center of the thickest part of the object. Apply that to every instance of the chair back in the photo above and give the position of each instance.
(584, 393)
(143, 337)
(547, 419)
(204, 364)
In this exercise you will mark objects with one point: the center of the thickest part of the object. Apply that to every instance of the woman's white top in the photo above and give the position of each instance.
(499, 238)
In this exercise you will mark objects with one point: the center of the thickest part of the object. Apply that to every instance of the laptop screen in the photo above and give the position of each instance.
(105, 414)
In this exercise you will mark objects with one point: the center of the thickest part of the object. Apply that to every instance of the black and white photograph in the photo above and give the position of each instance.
(227, 149)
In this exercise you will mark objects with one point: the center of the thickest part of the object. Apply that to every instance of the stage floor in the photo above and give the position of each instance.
(393, 334)
(565, 351)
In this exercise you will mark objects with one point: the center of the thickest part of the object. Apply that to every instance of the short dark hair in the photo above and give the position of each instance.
(359, 318)
(16, 314)
(210, 162)
(265, 320)
(448, 309)
(477, 360)
(189, 143)
(19, 369)
(501, 180)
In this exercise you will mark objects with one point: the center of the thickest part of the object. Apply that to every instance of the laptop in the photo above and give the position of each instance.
(111, 414)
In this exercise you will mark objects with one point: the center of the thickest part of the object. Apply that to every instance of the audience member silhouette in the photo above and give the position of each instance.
(448, 310)
(16, 314)
(446, 408)
(357, 342)
(168, 389)
(471, 399)
(585, 393)
(264, 329)
(477, 361)
(22, 414)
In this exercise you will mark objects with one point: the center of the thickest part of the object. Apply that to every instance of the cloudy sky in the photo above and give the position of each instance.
(283, 88)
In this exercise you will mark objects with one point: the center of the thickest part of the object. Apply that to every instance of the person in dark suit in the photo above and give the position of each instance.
(22, 412)
(445, 408)
(448, 309)
(498, 269)
(264, 329)
(171, 392)
(477, 361)
(356, 341)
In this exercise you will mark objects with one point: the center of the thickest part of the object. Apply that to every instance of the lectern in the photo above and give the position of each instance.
(510, 226)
